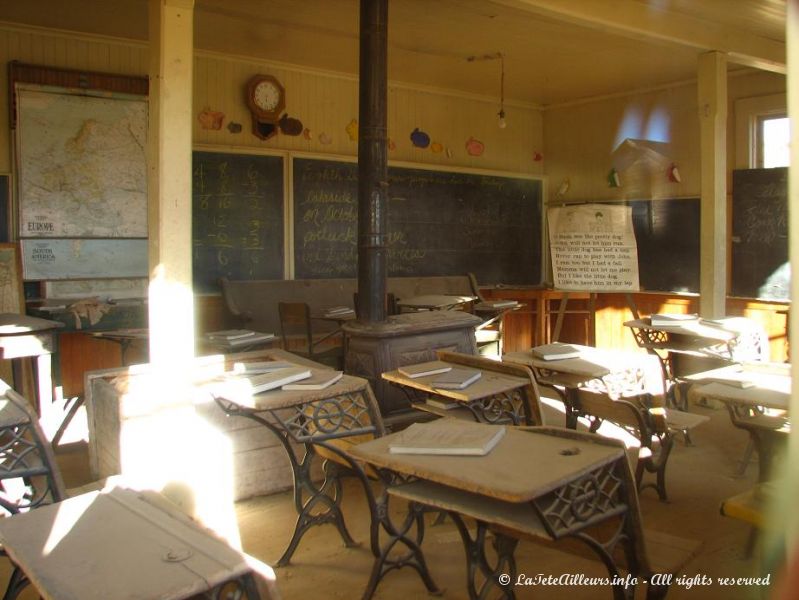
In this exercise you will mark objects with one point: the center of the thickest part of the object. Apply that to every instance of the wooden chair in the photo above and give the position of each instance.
(296, 331)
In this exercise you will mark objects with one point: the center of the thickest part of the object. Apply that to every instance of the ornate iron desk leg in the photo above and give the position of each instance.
(308, 496)
(477, 562)
(414, 557)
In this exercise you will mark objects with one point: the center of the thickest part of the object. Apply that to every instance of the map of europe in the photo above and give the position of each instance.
(82, 165)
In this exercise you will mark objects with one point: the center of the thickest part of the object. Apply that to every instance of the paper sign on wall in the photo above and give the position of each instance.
(593, 248)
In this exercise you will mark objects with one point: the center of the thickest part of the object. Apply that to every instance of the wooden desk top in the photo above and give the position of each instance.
(525, 464)
(278, 399)
(117, 544)
(775, 395)
(489, 384)
(597, 363)
(16, 324)
(692, 329)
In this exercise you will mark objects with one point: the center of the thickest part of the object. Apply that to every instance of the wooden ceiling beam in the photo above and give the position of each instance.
(636, 19)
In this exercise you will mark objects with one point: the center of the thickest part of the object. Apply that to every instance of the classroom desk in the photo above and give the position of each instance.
(497, 397)
(24, 337)
(121, 544)
(256, 342)
(618, 373)
(125, 338)
(314, 420)
(769, 390)
(771, 384)
(715, 346)
(434, 302)
(565, 483)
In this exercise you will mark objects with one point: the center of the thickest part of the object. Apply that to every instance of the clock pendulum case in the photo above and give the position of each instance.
(266, 99)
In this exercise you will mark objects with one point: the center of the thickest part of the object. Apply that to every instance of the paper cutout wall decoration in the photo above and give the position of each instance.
(290, 125)
(325, 139)
(474, 147)
(234, 127)
(563, 187)
(392, 145)
(419, 138)
(538, 157)
(352, 130)
(306, 133)
(211, 119)
(613, 179)
(674, 174)
(436, 147)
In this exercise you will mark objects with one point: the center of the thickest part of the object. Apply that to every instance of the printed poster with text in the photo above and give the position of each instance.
(593, 248)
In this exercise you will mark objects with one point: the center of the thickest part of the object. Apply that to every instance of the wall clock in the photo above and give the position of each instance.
(266, 99)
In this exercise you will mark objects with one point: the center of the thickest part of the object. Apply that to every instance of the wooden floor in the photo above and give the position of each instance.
(699, 477)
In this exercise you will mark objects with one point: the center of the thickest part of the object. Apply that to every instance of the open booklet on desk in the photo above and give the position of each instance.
(447, 437)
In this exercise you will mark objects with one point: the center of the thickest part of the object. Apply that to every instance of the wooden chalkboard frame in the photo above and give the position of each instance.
(408, 169)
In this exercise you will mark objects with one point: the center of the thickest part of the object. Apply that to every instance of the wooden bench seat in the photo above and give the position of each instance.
(659, 552)
(652, 428)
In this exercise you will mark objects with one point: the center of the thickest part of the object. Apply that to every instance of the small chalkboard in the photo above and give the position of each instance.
(237, 217)
(439, 223)
(760, 267)
(667, 235)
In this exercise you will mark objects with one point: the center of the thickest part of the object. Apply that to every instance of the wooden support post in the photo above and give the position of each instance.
(712, 102)
(171, 303)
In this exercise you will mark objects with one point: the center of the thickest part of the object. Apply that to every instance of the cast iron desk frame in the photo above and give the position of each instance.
(615, 372)
(314, 418)
(666, 341)
(564, 504)
(504, 394)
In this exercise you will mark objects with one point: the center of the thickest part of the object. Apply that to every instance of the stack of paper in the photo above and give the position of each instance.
(447, 437)
(318, 380)
(239, 337)
(339, 311)
(432, 367)
(456, 379)
(671, 319)
(556, 351)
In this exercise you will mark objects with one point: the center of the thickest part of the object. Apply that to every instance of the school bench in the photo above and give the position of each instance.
(254, 303)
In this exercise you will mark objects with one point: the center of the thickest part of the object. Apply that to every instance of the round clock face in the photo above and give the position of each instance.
(266, 96)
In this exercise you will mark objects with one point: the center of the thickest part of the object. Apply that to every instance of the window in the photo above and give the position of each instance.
(773, 137)
(761, 132)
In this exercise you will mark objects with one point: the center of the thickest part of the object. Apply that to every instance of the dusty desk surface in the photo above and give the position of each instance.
(525, 464)
(489, 384)
(118, 544)
(621, 371)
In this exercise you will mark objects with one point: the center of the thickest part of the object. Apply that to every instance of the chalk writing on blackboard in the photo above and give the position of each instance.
(439, 223)
(760, 267)
(237, 214)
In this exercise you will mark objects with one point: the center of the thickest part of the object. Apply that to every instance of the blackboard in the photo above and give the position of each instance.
(667, 235)
(760, 267)
(439, 223)
(237, 218)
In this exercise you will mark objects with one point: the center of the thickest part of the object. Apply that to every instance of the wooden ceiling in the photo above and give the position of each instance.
(554, 51)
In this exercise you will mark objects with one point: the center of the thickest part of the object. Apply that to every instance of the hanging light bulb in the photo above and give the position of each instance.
(501, 114)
